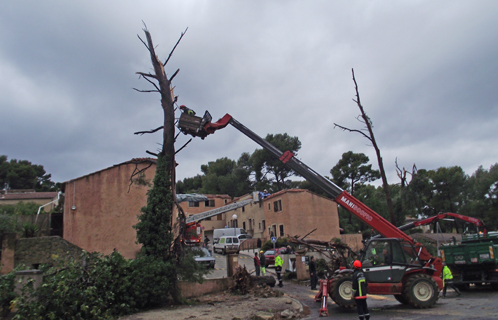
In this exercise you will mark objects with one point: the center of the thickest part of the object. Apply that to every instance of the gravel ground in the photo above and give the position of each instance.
(221, 306)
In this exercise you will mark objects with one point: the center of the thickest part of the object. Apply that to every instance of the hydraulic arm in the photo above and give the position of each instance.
(342, 197)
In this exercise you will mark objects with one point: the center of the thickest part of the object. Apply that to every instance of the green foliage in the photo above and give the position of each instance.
(154, 229)
(225, 176)
(322, 268)
(21, 174)
(20, 209)
(154, 232)
(352, 170)
(97, 287)
(270, 172)
(281, 242)
(7, 293)
(29, 230)
(8, 224)
(433, 191)
(482, 193)
(189, 185)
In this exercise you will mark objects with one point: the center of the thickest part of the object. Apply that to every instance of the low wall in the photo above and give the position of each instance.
(194, 289)
(32, 252)
(353, 241)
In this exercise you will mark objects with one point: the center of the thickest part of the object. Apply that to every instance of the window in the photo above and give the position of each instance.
(264, 224)
(277, 205)
(244, 210)
(193, 204)
(269, 206)
(244, 225)
(260, 226)
(281, 227)
(209, 203)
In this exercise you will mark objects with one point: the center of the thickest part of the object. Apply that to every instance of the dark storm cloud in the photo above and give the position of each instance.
(427, 73)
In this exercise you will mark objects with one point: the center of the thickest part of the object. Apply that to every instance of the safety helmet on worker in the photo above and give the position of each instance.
(357, 264)
(261, 251)
(182, 107)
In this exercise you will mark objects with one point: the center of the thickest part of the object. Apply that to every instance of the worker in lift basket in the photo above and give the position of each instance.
(186, 110)
(360, 286)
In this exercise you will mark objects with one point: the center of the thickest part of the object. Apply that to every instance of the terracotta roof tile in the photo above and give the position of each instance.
(28, 195)
(134, 160)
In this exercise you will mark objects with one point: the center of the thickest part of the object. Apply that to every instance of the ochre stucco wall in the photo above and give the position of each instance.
(104, 210)
(303, 211)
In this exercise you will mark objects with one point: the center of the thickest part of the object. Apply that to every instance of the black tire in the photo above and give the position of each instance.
(401, 298)
(341, 291)
(421, 291)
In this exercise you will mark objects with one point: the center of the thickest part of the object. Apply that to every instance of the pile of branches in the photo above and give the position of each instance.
(337, 253)
(243, 281)
(259, 286)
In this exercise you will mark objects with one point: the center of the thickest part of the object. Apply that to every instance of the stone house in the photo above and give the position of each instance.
(101, 208)
(289, 212)
(47, 199)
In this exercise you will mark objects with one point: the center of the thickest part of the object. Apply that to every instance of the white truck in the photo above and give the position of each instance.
(234, 232)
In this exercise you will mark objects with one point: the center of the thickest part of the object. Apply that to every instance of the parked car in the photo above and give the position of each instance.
(243, 237)
(271, 254)
(204, 257)
(227, 244)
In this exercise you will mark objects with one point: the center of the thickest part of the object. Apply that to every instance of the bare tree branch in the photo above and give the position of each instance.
(165, 62)
(137, 172)
(145, 76)
(145, 44)
(353, 130)
(368, 123)
(139, 90)
(174, 75)
(308, 233)
(183, 146)
(150, 131)
(152, 153)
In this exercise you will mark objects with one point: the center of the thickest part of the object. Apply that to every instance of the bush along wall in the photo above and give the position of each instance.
(96, 287)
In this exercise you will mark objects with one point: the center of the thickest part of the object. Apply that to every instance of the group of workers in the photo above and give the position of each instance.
(260, 265)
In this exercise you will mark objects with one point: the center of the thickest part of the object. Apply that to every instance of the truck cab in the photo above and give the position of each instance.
(387, 260)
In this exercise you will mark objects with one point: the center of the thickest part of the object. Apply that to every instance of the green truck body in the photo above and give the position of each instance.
(474, 260)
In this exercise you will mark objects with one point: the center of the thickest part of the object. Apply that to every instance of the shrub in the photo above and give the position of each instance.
(97, 287)
(6, 293)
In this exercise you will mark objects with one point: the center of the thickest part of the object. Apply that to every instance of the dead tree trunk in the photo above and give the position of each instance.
(371, 137)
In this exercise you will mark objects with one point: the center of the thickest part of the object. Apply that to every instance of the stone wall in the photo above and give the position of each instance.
(31, 252)
(194, 289)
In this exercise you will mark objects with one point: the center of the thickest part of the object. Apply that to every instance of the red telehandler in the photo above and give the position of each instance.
(411, 273)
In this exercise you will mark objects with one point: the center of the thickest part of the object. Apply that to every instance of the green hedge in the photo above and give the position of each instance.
(95, 287)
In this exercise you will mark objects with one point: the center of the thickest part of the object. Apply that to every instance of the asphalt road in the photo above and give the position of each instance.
(476, 303)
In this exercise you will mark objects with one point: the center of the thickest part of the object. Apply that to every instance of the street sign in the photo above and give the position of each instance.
(273, 239)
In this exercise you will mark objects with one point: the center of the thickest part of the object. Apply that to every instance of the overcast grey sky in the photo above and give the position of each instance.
(427, 73)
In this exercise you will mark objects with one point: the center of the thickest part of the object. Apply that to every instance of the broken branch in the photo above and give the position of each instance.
(352, 130)
(171, 53)
(183, 146)
(150, 131)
